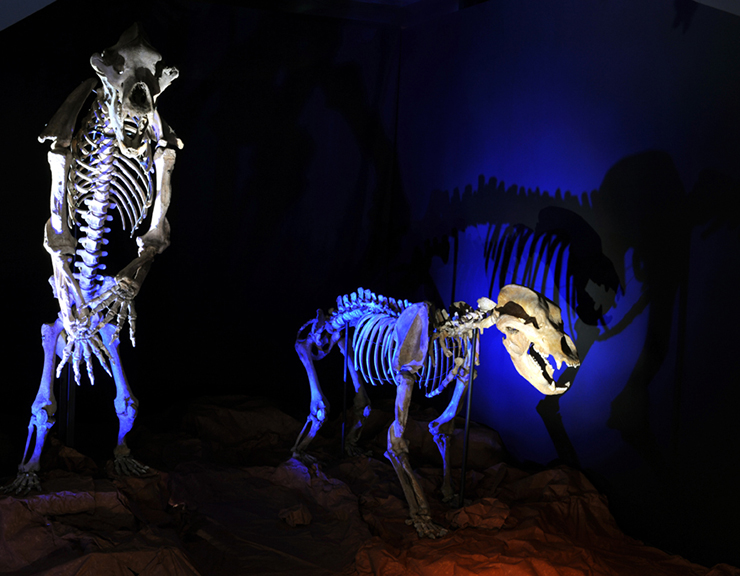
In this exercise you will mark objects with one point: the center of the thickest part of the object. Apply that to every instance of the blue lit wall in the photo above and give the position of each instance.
(626, 114)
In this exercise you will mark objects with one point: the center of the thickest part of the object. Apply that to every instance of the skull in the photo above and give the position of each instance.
(133, 77)
(534, 331)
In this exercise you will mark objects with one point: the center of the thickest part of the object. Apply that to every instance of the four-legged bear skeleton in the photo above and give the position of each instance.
(395, 342)
(121, 156)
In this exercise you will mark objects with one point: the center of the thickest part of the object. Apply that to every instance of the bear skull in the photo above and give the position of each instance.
(533, 329)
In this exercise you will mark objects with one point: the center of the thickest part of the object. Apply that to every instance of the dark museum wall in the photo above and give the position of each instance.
(589, 150)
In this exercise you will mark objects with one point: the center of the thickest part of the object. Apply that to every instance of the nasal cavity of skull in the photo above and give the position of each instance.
(139, 97)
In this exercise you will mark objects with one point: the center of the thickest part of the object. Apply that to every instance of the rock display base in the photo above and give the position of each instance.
(224, 497)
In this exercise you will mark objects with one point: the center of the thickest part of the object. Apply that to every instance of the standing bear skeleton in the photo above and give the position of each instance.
(121, 157)
(395, 342)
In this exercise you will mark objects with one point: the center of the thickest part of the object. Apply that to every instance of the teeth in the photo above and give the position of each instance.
(130, 127)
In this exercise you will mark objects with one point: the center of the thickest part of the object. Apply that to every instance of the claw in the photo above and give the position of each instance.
(76, 370)
(101, 352)
(65, 356)
(127, 466)
(132, 323)
(424, 526)
(115, 334)
(88, 357)
(81, 345)
(112, 312)
(120, 318)
(23, 484)
(118, 306)
(76, 355)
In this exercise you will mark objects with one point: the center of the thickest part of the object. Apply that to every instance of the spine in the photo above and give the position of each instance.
(352, 307)
(89, 184)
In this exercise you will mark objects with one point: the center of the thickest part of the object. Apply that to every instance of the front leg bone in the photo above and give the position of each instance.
(398, 454)
(442, 428)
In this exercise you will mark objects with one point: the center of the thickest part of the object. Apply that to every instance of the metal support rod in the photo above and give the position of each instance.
(70, 399)
(471, 368)
(344, 388)
(70, 406)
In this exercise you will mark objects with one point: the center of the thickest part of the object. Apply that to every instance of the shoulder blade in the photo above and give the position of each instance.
(61, 126)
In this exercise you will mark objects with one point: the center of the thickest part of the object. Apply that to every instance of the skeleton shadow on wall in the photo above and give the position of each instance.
(583, 253)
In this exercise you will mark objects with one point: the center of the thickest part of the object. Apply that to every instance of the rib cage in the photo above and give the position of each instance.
(375, 347)
(99, 178)
(374, 318)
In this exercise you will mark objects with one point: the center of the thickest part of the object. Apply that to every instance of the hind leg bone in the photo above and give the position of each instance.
(360, 405)
(42, 414)
(126, 406)
(319, 403)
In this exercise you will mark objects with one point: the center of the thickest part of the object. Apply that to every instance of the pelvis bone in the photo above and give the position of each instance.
(533, 329)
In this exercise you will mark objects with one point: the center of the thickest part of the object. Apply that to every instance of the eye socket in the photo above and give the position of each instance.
(511, 330)
(564, 346)
(114, 60)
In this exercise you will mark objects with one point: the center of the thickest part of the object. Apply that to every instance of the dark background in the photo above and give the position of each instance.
(332, 145)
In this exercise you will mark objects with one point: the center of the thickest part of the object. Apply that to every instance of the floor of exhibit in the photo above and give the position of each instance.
(223, 497)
